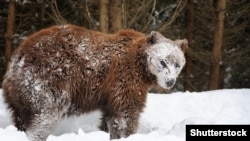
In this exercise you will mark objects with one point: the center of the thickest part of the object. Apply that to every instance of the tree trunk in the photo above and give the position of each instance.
(217, 47)
(115, 12)
(10, 30)
(188, 34)
(103, 16)
(221, 78)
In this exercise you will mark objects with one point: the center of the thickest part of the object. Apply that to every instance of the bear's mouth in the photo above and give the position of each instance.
(169, 84)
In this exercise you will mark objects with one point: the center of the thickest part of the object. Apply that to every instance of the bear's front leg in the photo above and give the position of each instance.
(104, 126)
(123, 125)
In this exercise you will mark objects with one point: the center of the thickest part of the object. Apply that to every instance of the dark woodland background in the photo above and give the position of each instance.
(218, 31)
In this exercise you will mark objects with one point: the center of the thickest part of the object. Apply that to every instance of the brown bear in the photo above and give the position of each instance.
(68, 70)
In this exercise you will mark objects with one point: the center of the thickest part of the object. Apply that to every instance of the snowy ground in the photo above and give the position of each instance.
(164, 117)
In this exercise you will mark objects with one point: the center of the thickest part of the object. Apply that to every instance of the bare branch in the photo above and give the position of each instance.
(179, 8)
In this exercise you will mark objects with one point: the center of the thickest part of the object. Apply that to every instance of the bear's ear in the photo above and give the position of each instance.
(183, 44)
(153, 37)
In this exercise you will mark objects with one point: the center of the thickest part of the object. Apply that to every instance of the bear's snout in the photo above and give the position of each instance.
(170, 83)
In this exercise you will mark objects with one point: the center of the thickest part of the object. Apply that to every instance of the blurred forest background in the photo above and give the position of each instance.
(218, 31)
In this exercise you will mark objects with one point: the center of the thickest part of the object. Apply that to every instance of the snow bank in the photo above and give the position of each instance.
(164, 117)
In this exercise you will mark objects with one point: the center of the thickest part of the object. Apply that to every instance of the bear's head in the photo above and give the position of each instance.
(165, 58)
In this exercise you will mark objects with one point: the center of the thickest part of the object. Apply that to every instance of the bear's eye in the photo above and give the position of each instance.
(176, 65)
(163, 64)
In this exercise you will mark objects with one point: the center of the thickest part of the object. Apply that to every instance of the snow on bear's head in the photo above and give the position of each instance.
(165, 58)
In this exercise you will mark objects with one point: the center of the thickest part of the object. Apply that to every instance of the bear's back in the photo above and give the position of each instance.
(69, 52)
(72, 42)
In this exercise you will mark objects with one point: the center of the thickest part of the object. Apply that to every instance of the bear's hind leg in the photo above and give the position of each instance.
(43, 125)
(20, 120)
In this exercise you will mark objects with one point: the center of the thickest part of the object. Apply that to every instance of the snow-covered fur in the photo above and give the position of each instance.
(67, 70)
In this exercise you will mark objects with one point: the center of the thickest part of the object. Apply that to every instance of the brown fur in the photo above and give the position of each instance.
(68, 70)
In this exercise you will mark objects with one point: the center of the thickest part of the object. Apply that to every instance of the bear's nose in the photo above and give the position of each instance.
(170, 82)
